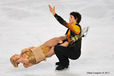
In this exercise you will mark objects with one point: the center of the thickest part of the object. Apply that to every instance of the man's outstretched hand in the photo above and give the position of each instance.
(52, 10)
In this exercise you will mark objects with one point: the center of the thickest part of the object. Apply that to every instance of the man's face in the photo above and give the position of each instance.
(72, 19)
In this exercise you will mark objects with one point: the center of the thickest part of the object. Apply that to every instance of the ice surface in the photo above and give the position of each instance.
(25, 23)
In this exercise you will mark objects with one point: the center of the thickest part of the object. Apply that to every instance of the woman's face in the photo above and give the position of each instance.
(72, 20)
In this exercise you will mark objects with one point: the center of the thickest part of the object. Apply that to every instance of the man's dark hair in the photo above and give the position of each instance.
(77, 16)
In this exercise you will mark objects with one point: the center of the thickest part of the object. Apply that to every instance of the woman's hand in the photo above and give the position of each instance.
(52, 10)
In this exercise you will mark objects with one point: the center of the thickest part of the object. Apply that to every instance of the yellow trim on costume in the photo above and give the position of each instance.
(76, 28)
(68, 35)
(29, 56)
(45, 50)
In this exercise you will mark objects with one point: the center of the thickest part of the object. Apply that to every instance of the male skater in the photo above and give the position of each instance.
(73, 50)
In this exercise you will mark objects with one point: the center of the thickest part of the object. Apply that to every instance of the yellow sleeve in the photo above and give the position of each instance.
(76, 28)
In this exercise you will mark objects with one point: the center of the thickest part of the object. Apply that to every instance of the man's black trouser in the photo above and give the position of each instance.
(63, 53)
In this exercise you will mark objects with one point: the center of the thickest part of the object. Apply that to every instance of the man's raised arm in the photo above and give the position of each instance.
(59, 19)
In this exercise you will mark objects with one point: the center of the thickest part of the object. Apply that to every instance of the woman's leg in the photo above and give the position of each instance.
(65, 44)
(51, 52)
